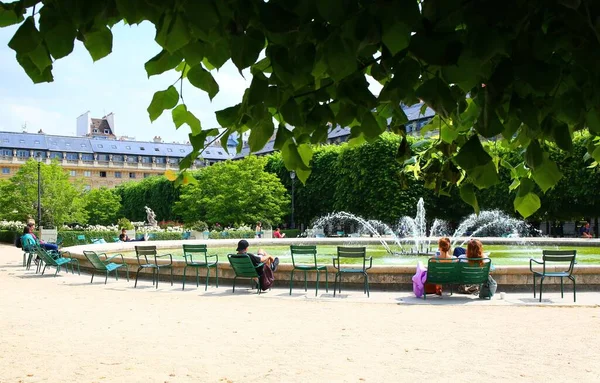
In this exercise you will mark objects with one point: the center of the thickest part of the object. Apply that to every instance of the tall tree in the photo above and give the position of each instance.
(521, 71)
(234, 192)
(61, 199)
(102, 206)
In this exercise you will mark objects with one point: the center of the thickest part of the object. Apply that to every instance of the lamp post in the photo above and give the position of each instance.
(39, 195)
(293, 177)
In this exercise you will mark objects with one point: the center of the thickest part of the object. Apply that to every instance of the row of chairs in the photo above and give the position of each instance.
(197, 257)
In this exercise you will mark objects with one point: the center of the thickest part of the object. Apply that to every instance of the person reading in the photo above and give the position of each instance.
(277, 233)
(260, 257)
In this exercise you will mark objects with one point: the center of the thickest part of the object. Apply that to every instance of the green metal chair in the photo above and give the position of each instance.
(303, 251)
(200, 250)
(353, 253)
(561, 259)
(244, 268)
(142, 253)
(105, 266)
(81, 240)
(59, 262)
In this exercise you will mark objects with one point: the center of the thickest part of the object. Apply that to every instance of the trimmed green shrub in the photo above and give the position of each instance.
(291, 233)
(8, 236)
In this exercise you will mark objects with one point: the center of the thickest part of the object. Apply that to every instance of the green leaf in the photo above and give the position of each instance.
(293, 160)
(261, 134)
(33, 72)
(371, 126)
(484, 176)
(467, 193)
(447, 132)
(193, 53)
(59, 32)
(229, 117)
(201, 78)
(40, 57)
(396, 37)
(10, 14)
(98, 41)
(178, 35)
(163, 99)
(282, 136)
(472, 154)
(246, 47)
(534, 156)
(216, 54)
(404, 152)
(562, 136)
(547, 174)
(340, 59)
(181, 116)
(488, 124)
(592, 118)
(438, 96)
(131, 10)
(162, 62)
(306, 153)
(27, 38)
(526, 202)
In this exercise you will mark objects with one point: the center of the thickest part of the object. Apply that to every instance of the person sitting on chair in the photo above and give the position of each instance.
(123, 237)
(584, 231)
(43, 245)
(261, 257)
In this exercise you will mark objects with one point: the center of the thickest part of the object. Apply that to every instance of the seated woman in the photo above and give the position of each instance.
(444, 248)
(27, 239)
(474, 251)
(123, 237)
(43, 245)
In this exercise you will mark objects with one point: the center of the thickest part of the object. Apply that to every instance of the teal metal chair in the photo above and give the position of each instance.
(210, 261)
(308, 266)
(244, 268)
(105, 266)
(81, 240)
(564, 261)
(352, 253)
(59, 262)
(142, 253)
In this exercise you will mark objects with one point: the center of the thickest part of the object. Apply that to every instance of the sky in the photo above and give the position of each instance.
(117, 83)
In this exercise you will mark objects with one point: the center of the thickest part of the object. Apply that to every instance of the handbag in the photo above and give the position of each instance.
(488, 289)
(266, 278)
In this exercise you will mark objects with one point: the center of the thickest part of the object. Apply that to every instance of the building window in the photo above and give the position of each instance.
(95, 130)
(147, 160)
(37, 142)
(83, 145)
(160, 160)
(113, 146)
(131, 159)
(131, 175)
(87, 173)
(22, 153)
(106, 131)
(128, 147)
(72, 156)
(100, 146)
(21, 141)
(5, 170)
(182, 151)
(56, 155)
(117, 158)
(170, 150)
(142, 148)
(6, 152)
(72, 173)
(117, 174)
(103, 157)
(102, 174)
(68, 145)
(156, 149)
(146, 175)
(173, 161)
(86, 157)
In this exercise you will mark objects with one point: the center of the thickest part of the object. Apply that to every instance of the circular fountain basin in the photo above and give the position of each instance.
(510, 257)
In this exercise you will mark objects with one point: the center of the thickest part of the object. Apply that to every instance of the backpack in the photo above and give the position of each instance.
(266, 278)
(488, 289)
(18, 242)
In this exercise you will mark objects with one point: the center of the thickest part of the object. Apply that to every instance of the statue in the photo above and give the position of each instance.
(150, 216)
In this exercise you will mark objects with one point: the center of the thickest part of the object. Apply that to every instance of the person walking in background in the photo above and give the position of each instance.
(258, 230)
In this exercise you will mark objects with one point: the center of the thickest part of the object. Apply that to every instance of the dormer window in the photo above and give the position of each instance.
(142, 148)
(95, 130)
(83, 145)
(106, 131)
(113, 146)
(22, 141)
(156, 149)
(100, 146)
(128, 147)
(37, 142)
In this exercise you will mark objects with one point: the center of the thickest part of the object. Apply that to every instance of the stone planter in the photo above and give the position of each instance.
(267, 234)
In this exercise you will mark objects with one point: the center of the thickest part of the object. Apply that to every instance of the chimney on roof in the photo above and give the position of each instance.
(157, 139)
(40, 131)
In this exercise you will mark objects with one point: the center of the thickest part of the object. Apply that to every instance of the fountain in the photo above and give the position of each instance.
(413, 231)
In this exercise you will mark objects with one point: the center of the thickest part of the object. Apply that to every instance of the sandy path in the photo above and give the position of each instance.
(64, 329)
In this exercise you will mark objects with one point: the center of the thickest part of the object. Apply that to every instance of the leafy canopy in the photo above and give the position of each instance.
(234, 192)
(61, 199)
(522, 71)
(102, 206)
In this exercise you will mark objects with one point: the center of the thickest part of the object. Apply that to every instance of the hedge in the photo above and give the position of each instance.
(291, 233)
(235, 234)
(7, 236)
